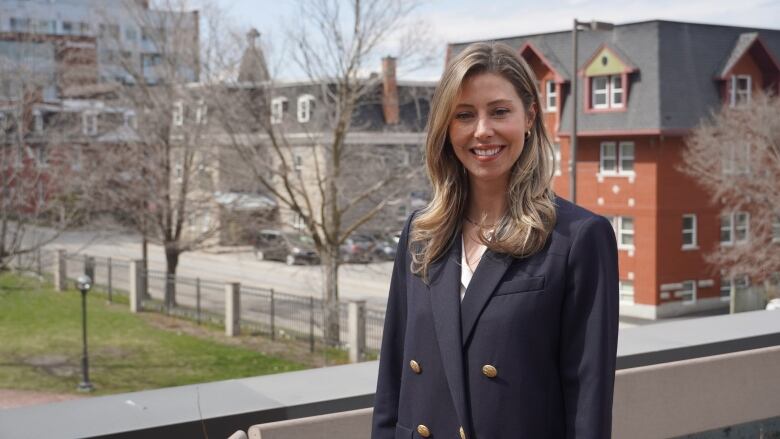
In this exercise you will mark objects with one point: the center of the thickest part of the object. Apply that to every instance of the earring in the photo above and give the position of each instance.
(527, 134)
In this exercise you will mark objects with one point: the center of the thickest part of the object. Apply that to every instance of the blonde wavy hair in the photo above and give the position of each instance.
(530, 216)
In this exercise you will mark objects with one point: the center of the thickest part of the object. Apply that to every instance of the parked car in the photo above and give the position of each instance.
(291, 248)
(357, 248)
(384, 248)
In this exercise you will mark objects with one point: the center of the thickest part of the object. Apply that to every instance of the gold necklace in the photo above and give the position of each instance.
(490, 226)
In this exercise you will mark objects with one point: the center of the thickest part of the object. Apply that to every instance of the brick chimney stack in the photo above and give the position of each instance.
(389, 92)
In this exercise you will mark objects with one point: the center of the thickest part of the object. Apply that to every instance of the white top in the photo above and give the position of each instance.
(465, 271)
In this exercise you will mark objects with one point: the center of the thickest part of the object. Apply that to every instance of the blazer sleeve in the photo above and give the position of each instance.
(391, 355)
(589, 331)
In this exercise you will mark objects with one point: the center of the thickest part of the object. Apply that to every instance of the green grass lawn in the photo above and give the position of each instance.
(40, 345)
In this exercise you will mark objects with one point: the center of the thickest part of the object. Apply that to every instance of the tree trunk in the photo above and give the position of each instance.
(330, 266)
(172, 260)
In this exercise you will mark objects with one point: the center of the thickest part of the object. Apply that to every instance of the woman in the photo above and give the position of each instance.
(527, 349)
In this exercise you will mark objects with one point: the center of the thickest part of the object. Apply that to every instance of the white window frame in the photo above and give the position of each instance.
(623, 288)
(89, 123)
(732, 228)
(740, 96)
(298, 165)
(621, 158)
(620, 230)
(201, 113)
(745, 227)
(178, 113)
(610, 91)
(599, 92)
(727, 225)
(623, 231)
(693, 291)
(557, 156)
(739, 282)
(624, 156)
(694, 244)
(277, 109)
(550, 96)
(613, 91)
(304, 108)
(603, 157)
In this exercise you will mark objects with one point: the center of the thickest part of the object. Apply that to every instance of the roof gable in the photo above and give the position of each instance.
(529, 50)
(748, 43)
(607, 60)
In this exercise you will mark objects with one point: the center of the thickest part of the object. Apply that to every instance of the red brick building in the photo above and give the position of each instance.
(642, 88)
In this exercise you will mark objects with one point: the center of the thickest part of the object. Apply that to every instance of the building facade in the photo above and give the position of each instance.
(130, 39)
(643, 87)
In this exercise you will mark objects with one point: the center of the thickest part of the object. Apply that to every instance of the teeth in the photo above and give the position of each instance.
(486, 152)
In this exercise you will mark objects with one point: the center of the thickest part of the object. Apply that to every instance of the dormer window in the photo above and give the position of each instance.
(551, 96)
(607, 92)
(607, 76)
(279, 107)
(305, 107)
(740, 90)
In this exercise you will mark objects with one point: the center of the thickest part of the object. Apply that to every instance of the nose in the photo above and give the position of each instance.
(484, 129)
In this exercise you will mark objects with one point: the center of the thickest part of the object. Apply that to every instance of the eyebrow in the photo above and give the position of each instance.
(494, 102)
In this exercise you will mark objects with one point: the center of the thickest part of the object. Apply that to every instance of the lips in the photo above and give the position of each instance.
(487, 152)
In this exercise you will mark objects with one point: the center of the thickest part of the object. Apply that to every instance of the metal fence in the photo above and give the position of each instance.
(263, 311)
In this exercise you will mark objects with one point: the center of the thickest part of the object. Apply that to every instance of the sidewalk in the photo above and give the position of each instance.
(20, 398)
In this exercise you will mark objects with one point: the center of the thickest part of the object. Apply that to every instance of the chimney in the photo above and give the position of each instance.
(389, 92)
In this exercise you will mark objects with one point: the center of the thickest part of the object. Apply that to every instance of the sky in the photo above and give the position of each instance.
(467, 20)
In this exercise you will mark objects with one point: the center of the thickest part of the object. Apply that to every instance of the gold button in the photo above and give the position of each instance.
(415, 366)
(423, 431)
(489, 371)
(462, 433)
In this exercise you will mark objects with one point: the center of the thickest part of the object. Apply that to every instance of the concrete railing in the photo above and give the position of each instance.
(674, 378)
(660, 401)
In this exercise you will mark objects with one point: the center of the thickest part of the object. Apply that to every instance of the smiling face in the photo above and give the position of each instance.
(487, 127)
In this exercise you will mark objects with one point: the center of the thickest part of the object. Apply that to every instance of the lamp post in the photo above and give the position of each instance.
(84, 283)
(578, 25)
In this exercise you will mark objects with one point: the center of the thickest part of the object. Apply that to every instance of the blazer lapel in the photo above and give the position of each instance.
(490, 270)
(445, 302)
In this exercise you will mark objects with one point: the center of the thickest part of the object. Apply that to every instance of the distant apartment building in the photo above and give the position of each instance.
(642, 88)
(126, 39)
(386, 135)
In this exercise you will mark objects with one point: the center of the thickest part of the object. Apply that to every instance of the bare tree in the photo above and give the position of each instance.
(159, 173)
(315, 163)
(40, 158)
(735, 156)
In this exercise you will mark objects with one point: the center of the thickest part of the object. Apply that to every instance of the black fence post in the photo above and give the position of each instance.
(311, 324)
(273, 311)
(110, 281)
(197, 298)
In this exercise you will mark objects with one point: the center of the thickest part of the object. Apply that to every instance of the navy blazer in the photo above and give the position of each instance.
(529, 353)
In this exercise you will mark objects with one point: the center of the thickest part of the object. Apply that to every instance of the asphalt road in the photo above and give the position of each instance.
(369, 282)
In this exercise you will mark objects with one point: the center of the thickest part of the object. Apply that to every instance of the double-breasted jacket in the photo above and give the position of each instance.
(528, 353)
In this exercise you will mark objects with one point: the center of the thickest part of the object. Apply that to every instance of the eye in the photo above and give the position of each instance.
(463, 115)
(501, 112)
